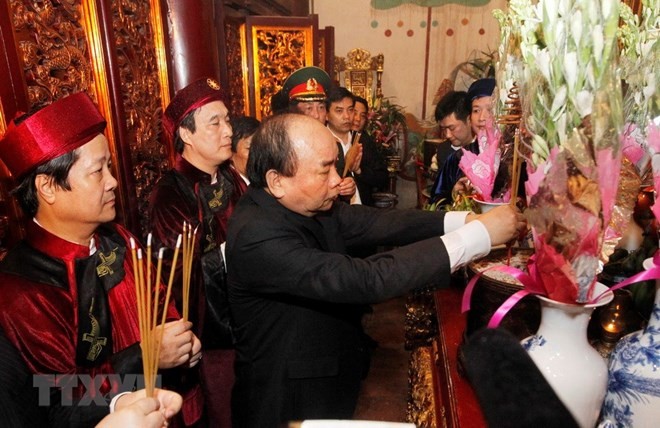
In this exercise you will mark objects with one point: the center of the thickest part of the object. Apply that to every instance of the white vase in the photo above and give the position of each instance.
(633, 391)
(561, 351)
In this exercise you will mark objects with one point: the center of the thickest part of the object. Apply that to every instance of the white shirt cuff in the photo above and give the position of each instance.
(466, 243)
(454, 220)
(113, 402)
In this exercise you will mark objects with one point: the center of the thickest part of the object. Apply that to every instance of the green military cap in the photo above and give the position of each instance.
(307, 84)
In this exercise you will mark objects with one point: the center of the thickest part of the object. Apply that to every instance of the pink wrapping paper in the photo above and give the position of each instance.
(482, 169)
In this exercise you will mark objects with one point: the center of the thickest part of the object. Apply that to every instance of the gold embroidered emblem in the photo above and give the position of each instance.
(216, 201)
(93, 337)
(105, 267)
(312, 84)
(213, 84)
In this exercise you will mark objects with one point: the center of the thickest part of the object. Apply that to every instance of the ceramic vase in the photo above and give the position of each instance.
(561, 351)
(633, 392)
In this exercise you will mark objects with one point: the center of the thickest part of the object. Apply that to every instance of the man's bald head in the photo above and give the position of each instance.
(278, 143)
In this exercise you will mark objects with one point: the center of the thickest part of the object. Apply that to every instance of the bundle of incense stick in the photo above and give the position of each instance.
(189, 236)
(147, 296)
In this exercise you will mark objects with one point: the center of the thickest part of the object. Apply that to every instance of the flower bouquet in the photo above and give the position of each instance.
(640, 58)
(572, 103)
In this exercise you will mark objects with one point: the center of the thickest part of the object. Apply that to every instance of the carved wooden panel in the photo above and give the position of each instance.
(47, 57)
(53, 48)
(275, 48)
(114, 51)
(140, 79)
(236, 86)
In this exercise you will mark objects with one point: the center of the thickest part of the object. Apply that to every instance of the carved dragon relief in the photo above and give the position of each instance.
(53, 49)
(138, 69)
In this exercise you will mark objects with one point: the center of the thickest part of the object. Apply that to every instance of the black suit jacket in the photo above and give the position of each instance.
(449, 174)
(295, 300)
(373, 175)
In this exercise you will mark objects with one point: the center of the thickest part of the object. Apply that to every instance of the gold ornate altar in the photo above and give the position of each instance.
(358, 70)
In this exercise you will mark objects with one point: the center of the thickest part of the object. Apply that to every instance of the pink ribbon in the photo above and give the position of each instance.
(531, 287)
(652, 273)
(527, 281)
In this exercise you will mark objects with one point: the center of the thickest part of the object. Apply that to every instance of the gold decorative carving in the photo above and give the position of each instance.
(53, 49)
(421, 323)
(358, 59)
(421, 401)
(278, 52)
(358, 69)
(235, 43)
(140, 78)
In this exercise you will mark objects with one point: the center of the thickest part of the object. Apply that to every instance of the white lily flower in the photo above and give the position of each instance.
(592, 12)
(560, 35)
(649, 89)
(597, 35)
(645, 48)
(550, 8)
(607, 6)
(584, 101)
(576, 27)
(559, 101)
(560, 124)
(563, 7)
(570, 70)
(591, 78)
(543, 63)
(537, 12)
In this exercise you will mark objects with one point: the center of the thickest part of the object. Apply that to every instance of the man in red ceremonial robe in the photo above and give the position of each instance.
(202, 190)
(70, 305)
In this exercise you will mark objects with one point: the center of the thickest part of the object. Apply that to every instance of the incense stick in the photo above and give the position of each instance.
(186, 268)
(188, 252)
(150, 337)
(167, 299)
(515, 168)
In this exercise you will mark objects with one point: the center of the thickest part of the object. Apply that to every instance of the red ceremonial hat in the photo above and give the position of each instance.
(56, 129)
(193, 96)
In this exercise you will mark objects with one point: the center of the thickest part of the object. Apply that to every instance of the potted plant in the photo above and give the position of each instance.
(386, 123)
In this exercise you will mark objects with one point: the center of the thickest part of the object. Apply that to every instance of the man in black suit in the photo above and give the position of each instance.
(453, 116)
(296, 297)
(371, 175)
